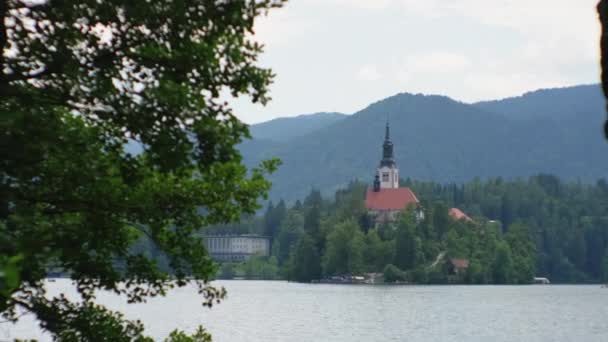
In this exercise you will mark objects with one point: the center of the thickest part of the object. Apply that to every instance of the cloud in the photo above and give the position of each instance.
(466, 49)
(369, 73)
(437, 62)
(495, 85)
(429, 65)
(357, 4)
(282, 27)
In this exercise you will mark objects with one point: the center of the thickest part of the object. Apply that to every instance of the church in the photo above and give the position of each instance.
(385, 199)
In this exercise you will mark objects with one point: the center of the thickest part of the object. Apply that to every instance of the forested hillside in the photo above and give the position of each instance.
(557, 104)
(541, 226)
(285, 129)
(555, 131)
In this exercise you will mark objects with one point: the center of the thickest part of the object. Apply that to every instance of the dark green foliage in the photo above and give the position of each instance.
(393, 274)
(503, 264)
(559, 231)
(256, 267)
(9, 276)
(273, 218)
(440, 219)
(604, 272)
(259, 267)
(406, 249)
(344, 250)
(201, 335)
(567, 222)
(378, 253)
(523, 253)
(227, 271)
(305, 262)
(290, 231)
(72, 198)
(312, 218)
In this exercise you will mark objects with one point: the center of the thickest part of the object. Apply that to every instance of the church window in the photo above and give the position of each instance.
(385, 176)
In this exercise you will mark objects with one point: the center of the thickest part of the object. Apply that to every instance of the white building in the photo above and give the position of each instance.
(236, 247)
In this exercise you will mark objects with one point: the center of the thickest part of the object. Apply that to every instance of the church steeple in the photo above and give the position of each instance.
(387, 135)
(388, 157)
(387, 174)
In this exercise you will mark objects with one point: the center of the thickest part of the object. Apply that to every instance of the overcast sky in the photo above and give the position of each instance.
(341, 55)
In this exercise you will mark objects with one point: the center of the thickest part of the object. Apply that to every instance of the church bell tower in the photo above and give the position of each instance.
(387, 174)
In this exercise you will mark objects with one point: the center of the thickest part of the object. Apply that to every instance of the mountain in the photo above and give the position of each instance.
(284, 129)
(556, 103)
(437, 138)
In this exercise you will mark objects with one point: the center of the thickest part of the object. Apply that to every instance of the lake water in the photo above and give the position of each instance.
(280, 311)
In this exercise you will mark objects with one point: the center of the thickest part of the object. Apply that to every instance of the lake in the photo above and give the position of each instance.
(281, 311)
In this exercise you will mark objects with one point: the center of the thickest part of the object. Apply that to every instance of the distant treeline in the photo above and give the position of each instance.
(522, 228)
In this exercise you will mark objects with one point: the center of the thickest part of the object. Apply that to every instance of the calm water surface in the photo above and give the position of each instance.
(280, 311)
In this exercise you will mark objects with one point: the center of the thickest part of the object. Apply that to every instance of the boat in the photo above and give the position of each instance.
(541, 281)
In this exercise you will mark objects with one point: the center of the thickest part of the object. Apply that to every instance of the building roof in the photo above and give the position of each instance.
(460, 263)
(457, 214)
(389, 199)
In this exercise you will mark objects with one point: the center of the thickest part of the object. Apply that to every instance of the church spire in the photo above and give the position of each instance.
(387, 174)
(387, 136)
(388, 158)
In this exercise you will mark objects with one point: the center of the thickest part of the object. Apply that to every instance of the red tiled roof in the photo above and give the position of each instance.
(460, 263)
(457, 214)
(389, 199)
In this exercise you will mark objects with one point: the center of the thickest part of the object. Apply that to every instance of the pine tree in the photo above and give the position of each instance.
(305, 262)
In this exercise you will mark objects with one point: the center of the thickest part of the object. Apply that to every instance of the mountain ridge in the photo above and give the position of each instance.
(438, 138)
(286, 128)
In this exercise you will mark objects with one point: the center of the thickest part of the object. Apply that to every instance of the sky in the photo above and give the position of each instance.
(342, 55)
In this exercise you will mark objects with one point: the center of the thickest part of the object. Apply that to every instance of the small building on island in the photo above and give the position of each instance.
(236, 247)
(457, 269)
(458, 215)
(385, 199)
(458, 266)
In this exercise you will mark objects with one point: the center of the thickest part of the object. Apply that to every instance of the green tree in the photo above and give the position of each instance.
(386, 231)
(405, 242)
(290, 231)
(377, 253)
(273, 218)
(344, 252)
(475, 273)
(261, 267)
(441, 219)
(313, 199)
(312, 224)
(9, 274)
(305, 262)
(503, 264)
(604, 274)
(393, 274)
(227, 271)
(577, 249)
(80, 80)
(456, 245)
(523, 252)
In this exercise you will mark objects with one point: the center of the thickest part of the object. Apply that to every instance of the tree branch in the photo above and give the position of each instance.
(3, 36)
